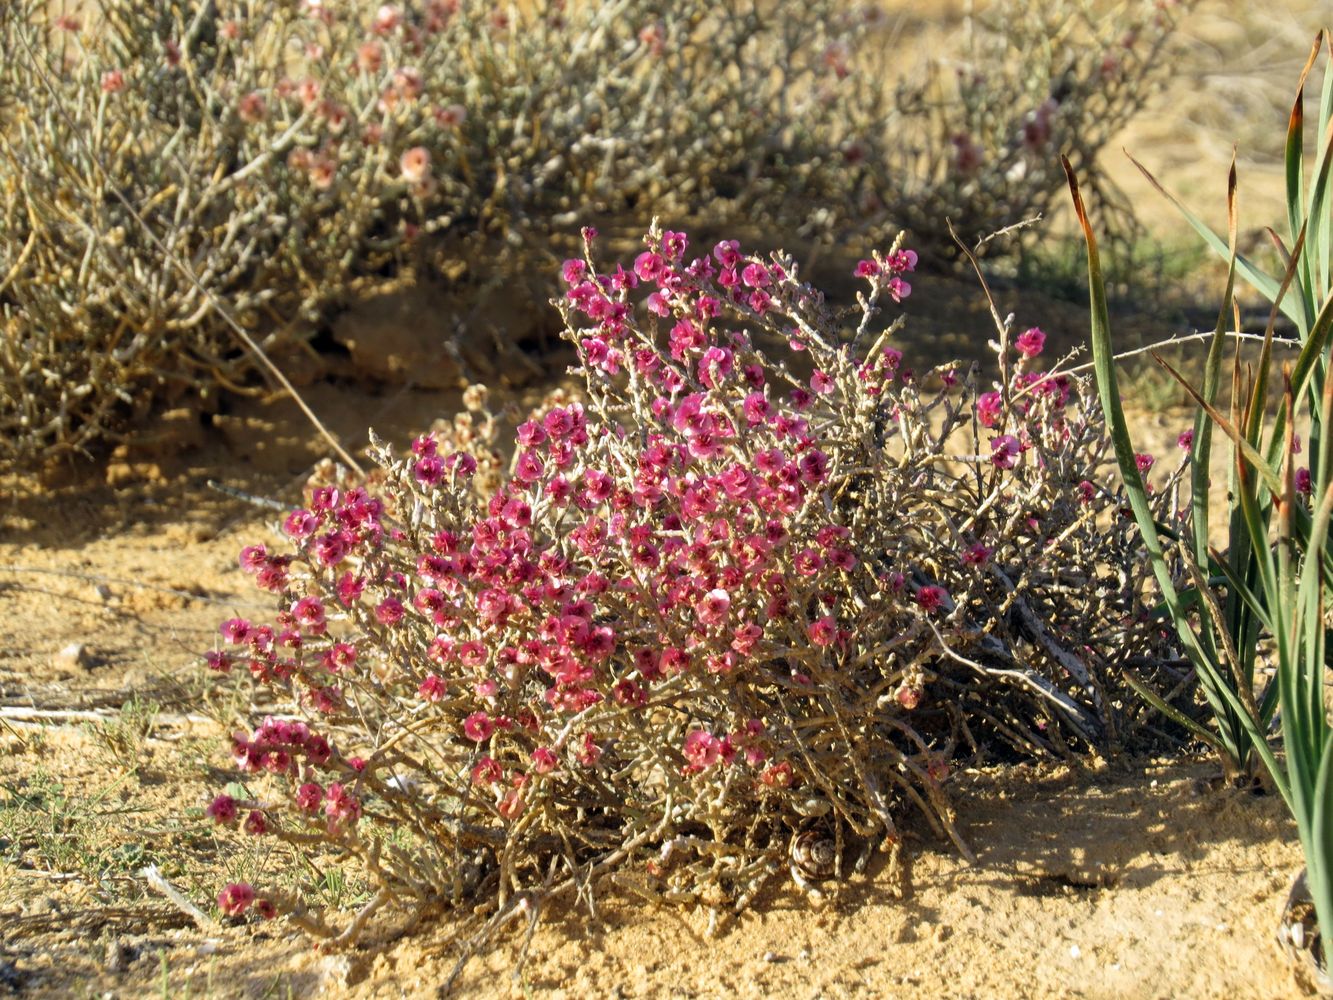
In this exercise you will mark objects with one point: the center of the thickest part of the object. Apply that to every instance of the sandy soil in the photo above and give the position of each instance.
(1126, 878)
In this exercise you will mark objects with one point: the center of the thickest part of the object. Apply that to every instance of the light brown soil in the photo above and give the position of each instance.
(1123, 879)
(1120, 880)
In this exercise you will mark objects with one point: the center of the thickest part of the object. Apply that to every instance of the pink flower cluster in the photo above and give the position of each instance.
(681, 571)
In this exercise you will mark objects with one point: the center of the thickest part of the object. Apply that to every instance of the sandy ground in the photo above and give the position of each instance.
(1127, 878)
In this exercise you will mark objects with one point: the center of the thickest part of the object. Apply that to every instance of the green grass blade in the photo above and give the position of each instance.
(1248, 450)
(1212, 678)
(1294, 169)
(1266, 285)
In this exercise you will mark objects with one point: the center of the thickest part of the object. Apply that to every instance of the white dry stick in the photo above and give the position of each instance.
(158, 882)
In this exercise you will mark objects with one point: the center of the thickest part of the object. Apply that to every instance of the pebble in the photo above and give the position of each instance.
(73, 657)
(120, 955)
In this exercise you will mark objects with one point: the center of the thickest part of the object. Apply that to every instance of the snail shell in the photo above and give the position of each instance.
(814, 857)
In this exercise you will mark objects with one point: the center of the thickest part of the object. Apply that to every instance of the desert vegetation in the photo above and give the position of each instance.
(726, 592)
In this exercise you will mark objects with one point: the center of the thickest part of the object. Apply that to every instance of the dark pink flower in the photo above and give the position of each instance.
(930, 598)
(989, 405)
(544, 760)
(1004, 451)
(1030, 342)
(222, 810)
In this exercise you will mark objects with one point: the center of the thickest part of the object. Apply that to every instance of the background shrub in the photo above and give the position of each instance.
(298, 155)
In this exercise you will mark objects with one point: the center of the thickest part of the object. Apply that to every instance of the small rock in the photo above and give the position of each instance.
(773, 956)
(120, 955)
(1075, 951)
(44, 906)
(73, 657)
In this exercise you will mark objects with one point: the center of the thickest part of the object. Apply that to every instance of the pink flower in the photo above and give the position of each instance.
(113, 81)
(236, 898)
(544, 760)
(1144, 462)
(1004, 451)
(755, 275)
(341, 805)
(255, 824)
(1186, 438)
(930, 598)
(778, 775)
(976, 555)
(649, 266)
(1303, 481)
(989, 405)
(1030, 342)
(252, 108)
(702, 749)
(309, 614)
(588, 753)
(478, 727)
(823, 631)
(300, 524)
(222, 810)
(902, 260)
(897, 289)
(451, 116)
(309, 796)
(674, 244)
(432, 689)
(821, 383)
(713, 608)
(235, 631)
(389, 611)
(487, 771)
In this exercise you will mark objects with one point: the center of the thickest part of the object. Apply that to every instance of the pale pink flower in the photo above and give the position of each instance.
(415, 164)
(713, 607)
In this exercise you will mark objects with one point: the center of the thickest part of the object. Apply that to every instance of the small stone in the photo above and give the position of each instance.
(773, 956)
(1075, 951)
(804, 956)
(120, 955)
(75, 656)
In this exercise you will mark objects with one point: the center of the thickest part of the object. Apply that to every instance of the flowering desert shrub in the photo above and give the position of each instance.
(168, 161)
(721, 622)
(977, 136)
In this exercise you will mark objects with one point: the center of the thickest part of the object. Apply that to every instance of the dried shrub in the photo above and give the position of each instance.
(295, 155)
(977, 137)
(723, 621)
